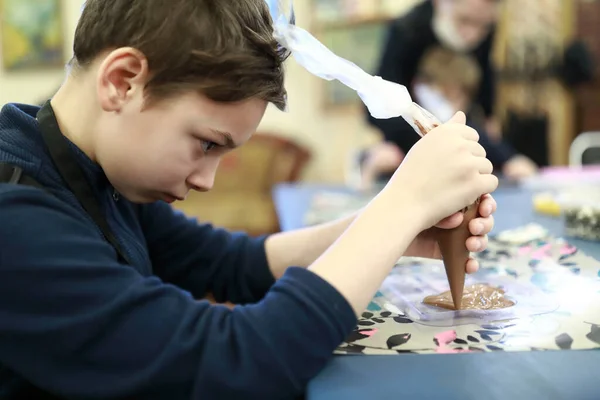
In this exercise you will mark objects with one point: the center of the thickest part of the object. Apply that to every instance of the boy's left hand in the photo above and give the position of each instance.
(425, 244)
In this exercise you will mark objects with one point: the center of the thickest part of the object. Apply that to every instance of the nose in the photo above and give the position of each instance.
(203, 179)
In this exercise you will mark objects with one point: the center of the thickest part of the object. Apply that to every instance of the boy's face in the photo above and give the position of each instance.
(163, 151)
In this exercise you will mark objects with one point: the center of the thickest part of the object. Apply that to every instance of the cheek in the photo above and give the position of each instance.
(146, 152)
(148, 160)
(172, 161)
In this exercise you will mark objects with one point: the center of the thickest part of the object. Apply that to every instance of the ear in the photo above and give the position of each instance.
(121, 76)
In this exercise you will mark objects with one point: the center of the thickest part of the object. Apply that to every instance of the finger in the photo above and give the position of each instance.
(469, 133)
(451, 222)
(481, 226)
(476, 244)
(487, 206)
(487, 183)
(458, 118)
(484, 166)
(472, 266)
(476, 149)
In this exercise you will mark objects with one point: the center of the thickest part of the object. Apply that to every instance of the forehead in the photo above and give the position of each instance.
(197, 111)
(484, 11)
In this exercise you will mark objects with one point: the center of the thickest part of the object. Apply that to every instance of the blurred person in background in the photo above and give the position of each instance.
(445, 82)
(460, 26)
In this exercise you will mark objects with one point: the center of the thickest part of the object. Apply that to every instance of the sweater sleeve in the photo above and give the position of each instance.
(201, 259)
(77, 324)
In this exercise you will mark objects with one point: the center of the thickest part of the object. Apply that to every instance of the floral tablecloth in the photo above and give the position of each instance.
(526, 255)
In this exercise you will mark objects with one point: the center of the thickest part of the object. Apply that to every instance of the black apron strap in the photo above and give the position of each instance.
(13, 174)
(10, 173)
(72, 173)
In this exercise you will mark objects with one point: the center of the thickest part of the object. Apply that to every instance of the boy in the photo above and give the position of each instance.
(445, 82)
(99, 276)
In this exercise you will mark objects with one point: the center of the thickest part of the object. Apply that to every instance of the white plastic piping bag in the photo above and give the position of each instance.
(383, 99)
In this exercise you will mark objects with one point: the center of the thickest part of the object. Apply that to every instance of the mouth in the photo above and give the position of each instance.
(168, 198)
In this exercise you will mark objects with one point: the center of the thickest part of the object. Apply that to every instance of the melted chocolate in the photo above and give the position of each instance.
(422, 129)
(475, 297)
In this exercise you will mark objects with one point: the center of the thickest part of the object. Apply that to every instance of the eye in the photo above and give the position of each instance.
(207, 145)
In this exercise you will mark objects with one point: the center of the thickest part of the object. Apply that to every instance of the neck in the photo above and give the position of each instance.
(74, 111)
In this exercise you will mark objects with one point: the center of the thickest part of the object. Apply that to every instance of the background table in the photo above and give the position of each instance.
(515, 209)
(540, 375)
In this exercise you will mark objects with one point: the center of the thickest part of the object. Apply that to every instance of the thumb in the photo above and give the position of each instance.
(458, 118)
(452, 221)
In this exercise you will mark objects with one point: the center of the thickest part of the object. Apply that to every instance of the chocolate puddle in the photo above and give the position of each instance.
(475, 297)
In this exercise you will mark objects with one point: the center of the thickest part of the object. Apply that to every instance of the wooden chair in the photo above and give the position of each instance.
(241, 197)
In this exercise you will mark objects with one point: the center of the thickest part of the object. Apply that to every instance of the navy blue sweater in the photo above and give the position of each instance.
(75, 323)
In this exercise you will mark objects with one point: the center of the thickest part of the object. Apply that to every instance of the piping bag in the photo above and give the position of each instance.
(384, 100)
(452, 242)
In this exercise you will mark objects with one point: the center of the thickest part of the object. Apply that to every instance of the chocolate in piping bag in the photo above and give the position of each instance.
(455, 255)
(452, 242)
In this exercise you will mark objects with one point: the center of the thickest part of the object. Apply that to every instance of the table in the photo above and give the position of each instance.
(515, 208)
(497, 375)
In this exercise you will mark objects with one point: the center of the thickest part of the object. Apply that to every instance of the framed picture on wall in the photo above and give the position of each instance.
(32, 34)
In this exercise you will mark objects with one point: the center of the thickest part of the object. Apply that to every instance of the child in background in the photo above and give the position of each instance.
(446, 82)
(101, 281)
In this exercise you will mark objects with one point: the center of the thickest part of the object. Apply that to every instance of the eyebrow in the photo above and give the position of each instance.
(226, 136)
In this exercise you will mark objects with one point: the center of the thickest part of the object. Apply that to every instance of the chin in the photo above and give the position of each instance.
(138, 198)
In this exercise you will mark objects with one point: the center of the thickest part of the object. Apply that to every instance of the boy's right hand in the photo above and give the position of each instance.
(444, 172)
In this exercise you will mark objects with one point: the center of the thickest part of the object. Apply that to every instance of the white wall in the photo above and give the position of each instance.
(330, 137)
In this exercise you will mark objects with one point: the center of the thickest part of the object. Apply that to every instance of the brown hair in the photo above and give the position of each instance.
(445, 67)
(225, 49)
